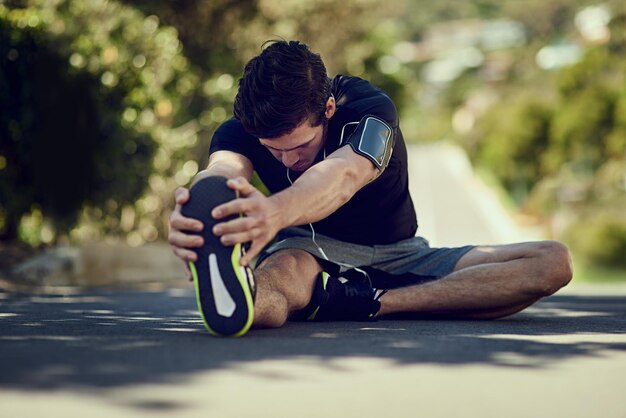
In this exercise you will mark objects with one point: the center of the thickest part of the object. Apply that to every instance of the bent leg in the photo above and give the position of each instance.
(488, 282)
(284, 284)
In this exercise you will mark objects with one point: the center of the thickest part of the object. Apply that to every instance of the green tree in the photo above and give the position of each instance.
(88, 90)
(516, 137)
(580, 129)
(569, 152)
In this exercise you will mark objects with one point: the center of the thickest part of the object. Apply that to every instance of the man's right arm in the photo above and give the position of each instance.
(226, 164)
(221, 163)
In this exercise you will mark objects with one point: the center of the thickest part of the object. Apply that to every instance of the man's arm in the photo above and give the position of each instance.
(317, 193)
(226, 164)
(325, 187)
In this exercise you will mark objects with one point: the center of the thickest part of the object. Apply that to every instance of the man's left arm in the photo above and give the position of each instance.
(317, 193)
(325, 187)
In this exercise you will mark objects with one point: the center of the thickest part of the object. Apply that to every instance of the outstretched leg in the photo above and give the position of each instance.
(488, 282)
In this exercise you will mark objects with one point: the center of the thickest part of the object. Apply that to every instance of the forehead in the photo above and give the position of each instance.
(299, 136)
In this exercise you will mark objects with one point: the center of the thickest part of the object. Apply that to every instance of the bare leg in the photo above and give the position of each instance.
(285, 282)
(488, 282)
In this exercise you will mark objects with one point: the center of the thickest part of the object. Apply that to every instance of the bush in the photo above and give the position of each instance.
(599, 239)
(88, 93)
(516, 136)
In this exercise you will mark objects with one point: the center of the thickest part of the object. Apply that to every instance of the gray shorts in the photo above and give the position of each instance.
(412, 256)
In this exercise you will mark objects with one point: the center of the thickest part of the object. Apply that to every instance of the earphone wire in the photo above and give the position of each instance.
(348, 266)
(311, 226)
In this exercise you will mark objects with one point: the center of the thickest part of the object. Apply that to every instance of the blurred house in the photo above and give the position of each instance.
(450, 48)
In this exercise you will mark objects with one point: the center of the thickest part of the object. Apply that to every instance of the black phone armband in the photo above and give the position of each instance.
(373, 139)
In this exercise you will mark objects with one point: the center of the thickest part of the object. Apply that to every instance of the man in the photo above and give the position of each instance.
(332, 154)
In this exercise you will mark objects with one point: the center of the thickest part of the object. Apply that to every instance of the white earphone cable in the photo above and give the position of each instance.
(348, 266)
(311, 226)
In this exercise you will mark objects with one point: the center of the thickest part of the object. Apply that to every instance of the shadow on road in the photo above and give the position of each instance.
(112, 339)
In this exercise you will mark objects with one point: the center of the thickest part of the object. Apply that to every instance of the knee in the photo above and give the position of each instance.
(291, 273)
(556, 267)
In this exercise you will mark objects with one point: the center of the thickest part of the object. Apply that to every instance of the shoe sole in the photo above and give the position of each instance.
(223, 294)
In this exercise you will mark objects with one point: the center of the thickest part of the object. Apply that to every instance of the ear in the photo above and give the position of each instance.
(331, 107)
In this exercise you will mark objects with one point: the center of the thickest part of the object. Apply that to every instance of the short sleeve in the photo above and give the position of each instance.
(230, 136)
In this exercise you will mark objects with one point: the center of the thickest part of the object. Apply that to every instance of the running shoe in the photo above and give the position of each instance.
(225, 289)
(339, 299)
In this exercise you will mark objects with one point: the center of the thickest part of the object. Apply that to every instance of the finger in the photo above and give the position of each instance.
(181, 196)
(241, 185)
(241, 237)
(177, 220)
(254, 250)
(179, 239)
(235, 225)
(234, 207)
(185, 255)
(183, 223)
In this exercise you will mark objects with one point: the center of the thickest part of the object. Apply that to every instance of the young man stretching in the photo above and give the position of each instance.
(332, 154)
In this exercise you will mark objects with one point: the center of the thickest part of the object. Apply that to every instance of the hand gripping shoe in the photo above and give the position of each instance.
(224, 289)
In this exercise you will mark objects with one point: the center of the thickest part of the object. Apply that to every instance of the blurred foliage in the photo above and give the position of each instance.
(220, 36)
(88, 92)
(599, 238)
(107, 106)
(598, 232)
(516, 140)
(560, 147)
(507, 70)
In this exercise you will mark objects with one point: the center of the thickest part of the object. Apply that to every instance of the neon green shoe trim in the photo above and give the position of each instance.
(324, 282)
(239, 272)
(325, 277)
(243, 281)
(312, 316)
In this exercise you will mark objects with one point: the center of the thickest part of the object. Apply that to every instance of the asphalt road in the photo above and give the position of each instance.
(454, 206)
(135, 353)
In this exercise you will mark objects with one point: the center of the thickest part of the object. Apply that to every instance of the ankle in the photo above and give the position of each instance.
(270, 308)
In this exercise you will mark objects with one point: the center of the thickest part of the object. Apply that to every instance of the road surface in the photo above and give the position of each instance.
(128, 354)
(454, 207)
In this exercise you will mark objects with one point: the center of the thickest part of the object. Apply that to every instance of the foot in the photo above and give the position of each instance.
(338, 299)
(224, 288)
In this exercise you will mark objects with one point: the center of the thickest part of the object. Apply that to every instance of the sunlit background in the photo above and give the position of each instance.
(107, 106)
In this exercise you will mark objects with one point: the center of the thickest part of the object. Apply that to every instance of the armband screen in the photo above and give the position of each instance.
(373, 140)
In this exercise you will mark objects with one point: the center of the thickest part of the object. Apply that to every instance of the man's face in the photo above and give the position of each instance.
(297, 150)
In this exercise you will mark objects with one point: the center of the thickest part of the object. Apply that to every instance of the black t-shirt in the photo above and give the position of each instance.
(381, 212)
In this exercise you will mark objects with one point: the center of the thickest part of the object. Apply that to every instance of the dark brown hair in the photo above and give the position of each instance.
(281, 88)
